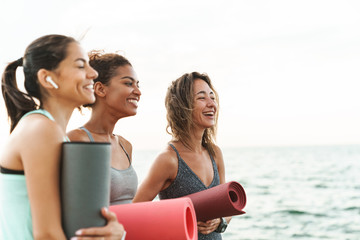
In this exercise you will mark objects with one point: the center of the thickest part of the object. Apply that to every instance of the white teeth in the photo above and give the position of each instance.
(89, 87)
(134, 101)
(209, 113)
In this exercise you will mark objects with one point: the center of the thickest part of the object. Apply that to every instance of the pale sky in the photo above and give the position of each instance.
(287, 72)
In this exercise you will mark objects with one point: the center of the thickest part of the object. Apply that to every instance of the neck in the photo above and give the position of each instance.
(60, 113)
(196, 140)
(101, 123)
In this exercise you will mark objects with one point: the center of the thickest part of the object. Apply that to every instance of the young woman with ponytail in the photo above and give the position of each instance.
(58, 79)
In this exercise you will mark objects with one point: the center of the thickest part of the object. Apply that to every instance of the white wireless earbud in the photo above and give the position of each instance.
(49, 80)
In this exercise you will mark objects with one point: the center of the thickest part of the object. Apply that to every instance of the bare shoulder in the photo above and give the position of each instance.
(220, 163)
(127, 145)
(167, 158)
(36, 132)
(78, 135)
(36, 125)
(218, 154)
(217, 150)
(32, 132)
(165, 166)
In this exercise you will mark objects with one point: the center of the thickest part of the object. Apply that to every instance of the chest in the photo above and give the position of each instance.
(119, 159)
(201, 165)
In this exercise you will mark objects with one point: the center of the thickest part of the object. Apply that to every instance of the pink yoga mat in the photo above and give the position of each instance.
(171, 219)
(224, 200)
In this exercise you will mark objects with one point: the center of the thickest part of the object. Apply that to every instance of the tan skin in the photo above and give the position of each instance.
(74, 76)
(114, 101)
(164, 169)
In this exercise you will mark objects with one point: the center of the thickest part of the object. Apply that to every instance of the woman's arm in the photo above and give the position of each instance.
(219, 160)
(162, 172)
(40, 148)
(41, 161)
(221, 168)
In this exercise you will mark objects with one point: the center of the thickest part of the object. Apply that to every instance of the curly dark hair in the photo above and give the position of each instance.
(105, 64)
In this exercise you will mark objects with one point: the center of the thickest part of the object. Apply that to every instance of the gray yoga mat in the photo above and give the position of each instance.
(85, 184)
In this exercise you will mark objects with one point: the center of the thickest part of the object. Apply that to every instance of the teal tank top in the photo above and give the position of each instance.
(15, 213)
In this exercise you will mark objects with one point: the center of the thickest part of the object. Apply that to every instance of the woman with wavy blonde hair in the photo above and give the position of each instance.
(192, 162)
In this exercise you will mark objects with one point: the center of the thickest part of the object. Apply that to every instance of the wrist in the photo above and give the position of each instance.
(222, 226)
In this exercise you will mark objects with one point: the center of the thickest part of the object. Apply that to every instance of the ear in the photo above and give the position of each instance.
(41, 75)
(100, 89)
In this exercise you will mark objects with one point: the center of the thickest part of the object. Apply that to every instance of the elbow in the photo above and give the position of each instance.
(43, 236)
(48, 235)
(140, 198)
(135, 200)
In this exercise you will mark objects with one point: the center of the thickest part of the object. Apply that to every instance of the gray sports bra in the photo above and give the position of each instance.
(124, 182)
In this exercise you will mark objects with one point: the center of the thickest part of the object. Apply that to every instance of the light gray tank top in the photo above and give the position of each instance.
(124, 182)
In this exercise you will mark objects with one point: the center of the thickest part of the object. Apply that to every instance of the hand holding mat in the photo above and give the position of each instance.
(224, 200)
(85, 185)
(171, 219)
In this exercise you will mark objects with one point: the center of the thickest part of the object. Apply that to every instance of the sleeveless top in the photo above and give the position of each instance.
(187, 182)
(15, 212)
(124, 182)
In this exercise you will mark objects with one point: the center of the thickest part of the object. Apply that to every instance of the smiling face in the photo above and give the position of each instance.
(123, 93)
(75, 77)
(204, 105)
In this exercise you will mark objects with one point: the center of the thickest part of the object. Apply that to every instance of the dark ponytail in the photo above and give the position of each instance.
(17, 103)
(44, 53)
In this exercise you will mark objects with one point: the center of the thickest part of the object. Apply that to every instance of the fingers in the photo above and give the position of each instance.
(94, 231)
(110, 216)
(98, 238)
(101, 233)
(89, 238)
(208, 226)
(209, 223)
(124, 235)
(113, 229)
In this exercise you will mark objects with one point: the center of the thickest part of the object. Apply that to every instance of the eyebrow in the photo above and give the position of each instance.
(80, 59)
(203, 92)
(130, 78)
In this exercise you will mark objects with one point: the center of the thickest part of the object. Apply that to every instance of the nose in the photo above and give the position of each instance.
(92, 73)
(137, 90)
(211, 102)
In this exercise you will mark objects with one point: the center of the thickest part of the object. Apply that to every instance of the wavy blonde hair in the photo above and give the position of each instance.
(179, 103)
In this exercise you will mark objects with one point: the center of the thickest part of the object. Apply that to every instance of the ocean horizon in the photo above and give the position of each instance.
(293, 192)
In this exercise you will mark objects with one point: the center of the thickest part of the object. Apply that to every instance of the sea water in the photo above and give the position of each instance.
(310, 192)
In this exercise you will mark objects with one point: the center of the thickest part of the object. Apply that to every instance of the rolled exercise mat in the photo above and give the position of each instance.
(85, 184)
(170, 219)
(224, 200)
